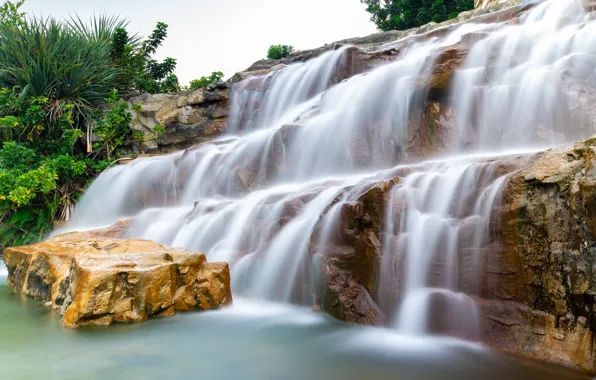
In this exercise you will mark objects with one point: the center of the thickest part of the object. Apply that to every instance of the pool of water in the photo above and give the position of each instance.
(248, 341)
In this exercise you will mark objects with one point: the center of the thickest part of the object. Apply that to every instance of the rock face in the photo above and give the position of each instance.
(483, 4)
(92, 279)
(543, 282)
(537, 291)
(188, 118)
(349, 262)
(201, 115)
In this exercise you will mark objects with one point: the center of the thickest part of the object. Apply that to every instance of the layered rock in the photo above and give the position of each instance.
(90, 278)
(199, 116)
(536, 285)
(187, 118)
(543, 280)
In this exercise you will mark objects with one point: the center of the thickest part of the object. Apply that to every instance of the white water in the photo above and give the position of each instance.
(305, 145)
(530, 84)
(438, 219)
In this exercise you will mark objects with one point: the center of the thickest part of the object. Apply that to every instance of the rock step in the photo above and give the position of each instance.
(93, 279)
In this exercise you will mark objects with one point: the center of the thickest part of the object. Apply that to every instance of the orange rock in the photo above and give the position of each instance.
(93, 279)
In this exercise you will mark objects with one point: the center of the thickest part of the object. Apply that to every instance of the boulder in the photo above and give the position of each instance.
(91, 278)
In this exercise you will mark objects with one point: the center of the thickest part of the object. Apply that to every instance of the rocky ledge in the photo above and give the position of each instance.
(93, 279)
(535, 287)
(194, 117)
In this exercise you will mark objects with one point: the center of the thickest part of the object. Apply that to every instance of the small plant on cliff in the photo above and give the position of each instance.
(279, 51)
(215, 76)
(405, 14)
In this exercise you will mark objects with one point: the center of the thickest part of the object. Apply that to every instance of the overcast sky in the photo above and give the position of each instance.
(225, 35)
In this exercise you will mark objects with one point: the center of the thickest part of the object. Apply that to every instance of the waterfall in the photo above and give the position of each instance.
(445, 214)
(523, 85)
(309, 140)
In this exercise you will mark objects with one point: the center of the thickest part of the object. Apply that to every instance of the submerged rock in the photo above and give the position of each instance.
(93, 279)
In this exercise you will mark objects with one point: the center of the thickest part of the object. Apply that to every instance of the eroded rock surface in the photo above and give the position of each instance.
(188, 118)
(201, 115)
(93, 279)
(536, 290)
(543, 280)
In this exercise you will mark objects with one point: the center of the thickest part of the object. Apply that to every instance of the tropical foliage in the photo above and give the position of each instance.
(140, 72)
(279, 51)
(63, 112)
(406, 14)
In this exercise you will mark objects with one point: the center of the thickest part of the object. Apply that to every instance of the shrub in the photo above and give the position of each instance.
(279, 51)
(42, 170)
(406, 14)
(46, 58)
(63, 119)
(215, 76)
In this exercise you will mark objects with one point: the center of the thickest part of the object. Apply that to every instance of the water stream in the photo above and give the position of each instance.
(304, 141)
(251, 340)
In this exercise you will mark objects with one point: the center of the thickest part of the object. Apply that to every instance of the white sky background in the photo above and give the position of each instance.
(224, 35)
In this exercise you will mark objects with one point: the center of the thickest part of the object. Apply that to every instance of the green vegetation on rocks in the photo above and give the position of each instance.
(279, 51)
(405, 14)
(215, 76)
(64, 115)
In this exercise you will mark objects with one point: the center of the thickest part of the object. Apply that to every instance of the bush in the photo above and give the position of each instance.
(279, 51)
(49, 59)
(215, 76)
(42, 170)
(140, 72)
(406, 14)
(63, 118)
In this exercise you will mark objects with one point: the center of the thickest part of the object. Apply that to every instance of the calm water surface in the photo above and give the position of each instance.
(249, 341)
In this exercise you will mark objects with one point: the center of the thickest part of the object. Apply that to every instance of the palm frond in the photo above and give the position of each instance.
(101, 28)
(58, 61)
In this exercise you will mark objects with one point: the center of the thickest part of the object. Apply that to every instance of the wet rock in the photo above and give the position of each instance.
(90, 278)
(532, 281)
(433, 133)
(443, 69)
(350, 260)
(547, 260)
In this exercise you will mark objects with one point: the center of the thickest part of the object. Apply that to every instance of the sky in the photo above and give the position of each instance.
(224, 35)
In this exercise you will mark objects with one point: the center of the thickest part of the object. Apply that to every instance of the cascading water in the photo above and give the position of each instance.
(305, 144)
(524, 85)
(438, 215)
(259, 102)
